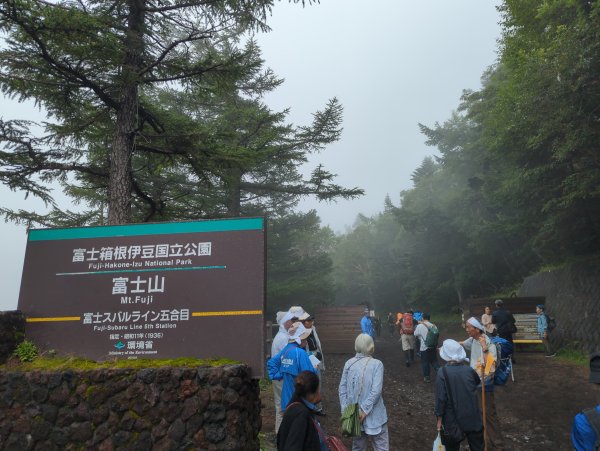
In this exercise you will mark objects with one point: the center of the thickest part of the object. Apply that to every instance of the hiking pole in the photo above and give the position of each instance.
(483, 405)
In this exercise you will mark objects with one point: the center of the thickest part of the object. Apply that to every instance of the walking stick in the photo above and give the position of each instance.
(484, 363)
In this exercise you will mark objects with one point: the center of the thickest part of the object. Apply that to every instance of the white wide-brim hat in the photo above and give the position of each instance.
(452, 350)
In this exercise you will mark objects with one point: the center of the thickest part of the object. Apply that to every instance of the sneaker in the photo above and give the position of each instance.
(426, 379)
(551, 355)
(407, 364)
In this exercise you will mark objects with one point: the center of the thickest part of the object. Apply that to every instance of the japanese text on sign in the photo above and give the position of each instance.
(142, 251)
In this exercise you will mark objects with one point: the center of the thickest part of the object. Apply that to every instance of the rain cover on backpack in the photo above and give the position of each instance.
(408, 324)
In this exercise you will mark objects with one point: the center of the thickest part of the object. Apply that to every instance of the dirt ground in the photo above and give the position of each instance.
(536, 410)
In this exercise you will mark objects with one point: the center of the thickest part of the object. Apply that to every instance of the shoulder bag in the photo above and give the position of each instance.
(351, 415)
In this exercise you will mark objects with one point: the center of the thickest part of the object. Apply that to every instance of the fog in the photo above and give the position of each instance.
(391, 63)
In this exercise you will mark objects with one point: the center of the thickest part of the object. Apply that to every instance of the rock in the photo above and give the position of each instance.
(177, 430)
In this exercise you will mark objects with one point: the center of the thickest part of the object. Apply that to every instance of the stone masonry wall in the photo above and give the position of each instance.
(125, 409)
(573, 298)
(12, 332)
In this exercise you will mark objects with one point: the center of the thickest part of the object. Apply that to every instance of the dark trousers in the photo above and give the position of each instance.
(429, 358)
(492, 422)
(475, 440)
(547, 346)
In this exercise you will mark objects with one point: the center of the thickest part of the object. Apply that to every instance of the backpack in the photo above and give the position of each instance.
(504, 350)
(407, 323)
(550, 322)
(432, 337)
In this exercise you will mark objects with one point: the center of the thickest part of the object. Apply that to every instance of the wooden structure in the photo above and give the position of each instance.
(522, 308)
(338, 328)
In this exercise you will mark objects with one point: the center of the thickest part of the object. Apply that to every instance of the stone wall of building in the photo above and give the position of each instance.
(125, 409)
(573, 298)
(12, 332)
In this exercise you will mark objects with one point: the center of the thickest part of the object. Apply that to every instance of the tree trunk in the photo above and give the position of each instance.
(234, 196)
(120, 175)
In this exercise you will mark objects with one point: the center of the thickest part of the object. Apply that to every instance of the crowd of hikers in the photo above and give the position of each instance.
(464, 386)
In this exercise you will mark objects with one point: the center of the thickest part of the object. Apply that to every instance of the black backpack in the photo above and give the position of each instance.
(551, 322)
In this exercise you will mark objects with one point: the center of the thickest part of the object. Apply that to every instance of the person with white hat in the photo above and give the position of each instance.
(290, 362)
(313, 344)
(483, 354)
(280, 341)
(456, 404)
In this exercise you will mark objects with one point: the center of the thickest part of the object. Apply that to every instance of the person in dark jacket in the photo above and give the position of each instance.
(458, 382)
(300, 430)
(505, 323)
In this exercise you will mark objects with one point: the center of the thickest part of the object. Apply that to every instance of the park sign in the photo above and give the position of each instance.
(161, 290)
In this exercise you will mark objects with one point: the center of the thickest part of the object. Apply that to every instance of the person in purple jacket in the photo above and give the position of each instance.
(290, 362)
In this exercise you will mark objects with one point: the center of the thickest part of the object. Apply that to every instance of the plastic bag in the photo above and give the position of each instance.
(437, 444)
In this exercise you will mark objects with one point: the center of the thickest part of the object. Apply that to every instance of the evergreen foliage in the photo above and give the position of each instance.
(516, 185)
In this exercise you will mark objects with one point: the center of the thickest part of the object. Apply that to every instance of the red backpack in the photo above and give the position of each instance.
(408, 326)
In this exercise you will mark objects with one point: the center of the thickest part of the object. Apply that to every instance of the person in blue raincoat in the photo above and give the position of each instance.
(290, 362)
(586, 425)
(366, 326)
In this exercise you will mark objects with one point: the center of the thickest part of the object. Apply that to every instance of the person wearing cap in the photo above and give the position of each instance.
(482, 350)
(280, 341)
(504, 321)
(366, 326)
(456, 397)
(428, 355)
(290, 362)
(585, 432)
(313, 344)
(542, 328)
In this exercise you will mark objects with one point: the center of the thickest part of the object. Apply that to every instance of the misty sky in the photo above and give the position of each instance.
(391, 63)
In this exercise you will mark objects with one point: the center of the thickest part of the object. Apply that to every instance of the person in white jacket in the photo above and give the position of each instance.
(280, 341)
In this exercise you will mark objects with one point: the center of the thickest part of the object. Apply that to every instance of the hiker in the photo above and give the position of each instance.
(362, 382)
(280, 341)
(366, 326)
(376, 325)
(418, 316)
(504, 320)
(542, 328)
(313, 344)
(407, 337)
(290, 362)
(391, 322)
(300, 430)
(505, 323)
(480, 346)
(585, 432)
(399, 316)
(456, 405)
(428, 351)
(486, 320)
